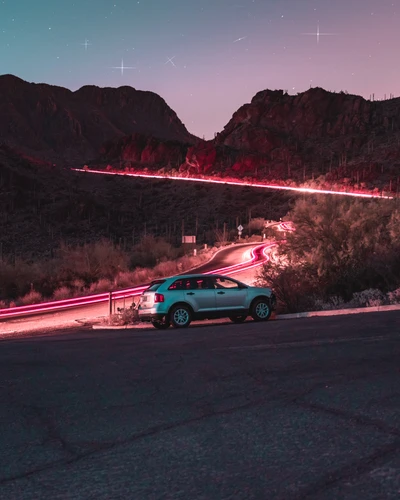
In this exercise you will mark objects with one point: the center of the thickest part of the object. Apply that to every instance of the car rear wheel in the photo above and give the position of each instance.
(160, 324)
(261, 310)
(237, 319)
(180, 316)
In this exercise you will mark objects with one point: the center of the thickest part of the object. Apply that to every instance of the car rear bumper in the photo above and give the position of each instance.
(149, 315)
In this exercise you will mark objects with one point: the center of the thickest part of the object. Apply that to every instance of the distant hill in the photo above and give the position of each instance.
(317, 138)
(57, 125)
(43, 206)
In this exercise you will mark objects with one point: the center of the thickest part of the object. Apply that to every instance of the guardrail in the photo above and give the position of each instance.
(258, 257)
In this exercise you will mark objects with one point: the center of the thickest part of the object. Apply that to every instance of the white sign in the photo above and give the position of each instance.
(188, 239)
(240, 228)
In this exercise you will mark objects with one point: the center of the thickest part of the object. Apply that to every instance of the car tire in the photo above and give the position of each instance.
(238, 319)
(160, 324)
(261, 310)
(180, 316)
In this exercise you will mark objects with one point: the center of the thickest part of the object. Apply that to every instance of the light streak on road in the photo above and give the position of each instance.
(241, 183)
(286, 226)
(56, 305)
(257, 257)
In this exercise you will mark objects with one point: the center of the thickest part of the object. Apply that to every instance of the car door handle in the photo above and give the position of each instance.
(190, 293)
(220, 293)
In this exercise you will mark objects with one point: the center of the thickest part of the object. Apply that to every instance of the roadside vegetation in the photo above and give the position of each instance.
(343, 253)
(91, 268)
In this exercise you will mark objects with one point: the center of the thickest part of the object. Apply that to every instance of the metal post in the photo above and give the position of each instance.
(110, 304)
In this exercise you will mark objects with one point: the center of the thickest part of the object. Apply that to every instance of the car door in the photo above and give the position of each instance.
(229, 294)
(200, 294)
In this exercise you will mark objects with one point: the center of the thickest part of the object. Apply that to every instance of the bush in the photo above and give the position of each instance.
(32, 297)
(340, 247)
(368, 298)
(16, 278)
(394, 296)
(62, 293)
(91, 262)
(124, 316)
(101, 286)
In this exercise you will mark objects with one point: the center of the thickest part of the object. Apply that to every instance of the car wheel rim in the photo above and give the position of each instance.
(262, 310)
(181, 316)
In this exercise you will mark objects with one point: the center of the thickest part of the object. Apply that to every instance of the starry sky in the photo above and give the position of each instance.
(206, 58)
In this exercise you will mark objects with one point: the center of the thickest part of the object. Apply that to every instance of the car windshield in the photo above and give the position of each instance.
(154, 286)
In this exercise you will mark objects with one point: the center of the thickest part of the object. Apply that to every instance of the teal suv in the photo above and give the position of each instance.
(181, 299)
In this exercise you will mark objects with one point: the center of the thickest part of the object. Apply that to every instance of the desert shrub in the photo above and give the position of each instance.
(32, 297)
(125, 279)
(103, 285)
(293, 285)
(151, 250)
(394, 296)
(62, 293)
(124, 316)
(164, 269)
(16, 278)
(340, 247)
(78, 285)
(368, 298)
(91, 261)
(332, 303)
(256, 225)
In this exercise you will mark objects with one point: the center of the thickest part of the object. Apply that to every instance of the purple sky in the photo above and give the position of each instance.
(205, 58)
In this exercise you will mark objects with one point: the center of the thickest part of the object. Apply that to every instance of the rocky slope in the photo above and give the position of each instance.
(342, 138)
(54, 124)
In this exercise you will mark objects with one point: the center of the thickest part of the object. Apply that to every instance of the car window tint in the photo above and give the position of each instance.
(201, 284)
(181, 284)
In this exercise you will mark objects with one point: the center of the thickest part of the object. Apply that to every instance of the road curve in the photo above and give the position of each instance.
(228, 261)
(294, 410)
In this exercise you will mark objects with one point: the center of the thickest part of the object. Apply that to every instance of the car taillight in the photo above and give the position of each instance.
(158, 297)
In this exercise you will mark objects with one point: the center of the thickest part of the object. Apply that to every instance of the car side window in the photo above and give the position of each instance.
(225, 283)
(181, 284)
(201, 284)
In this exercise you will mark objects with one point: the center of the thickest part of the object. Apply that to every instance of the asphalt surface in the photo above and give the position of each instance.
(300, 409)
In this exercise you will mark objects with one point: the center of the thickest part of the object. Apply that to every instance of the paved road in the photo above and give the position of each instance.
(301, 409)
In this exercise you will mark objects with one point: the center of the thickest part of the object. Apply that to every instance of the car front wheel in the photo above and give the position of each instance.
(261, 310)
(180, 316)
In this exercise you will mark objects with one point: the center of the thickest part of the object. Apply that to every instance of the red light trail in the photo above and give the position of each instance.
(242, 183)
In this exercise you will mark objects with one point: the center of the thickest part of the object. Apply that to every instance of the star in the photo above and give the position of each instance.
(122, 67)
(86, 44)
(169, 60)
(318, 33)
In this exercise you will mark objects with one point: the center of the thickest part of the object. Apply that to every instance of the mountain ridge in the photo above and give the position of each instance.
(56, 124)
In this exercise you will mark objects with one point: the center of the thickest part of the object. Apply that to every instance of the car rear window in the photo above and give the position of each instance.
(155, 285)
